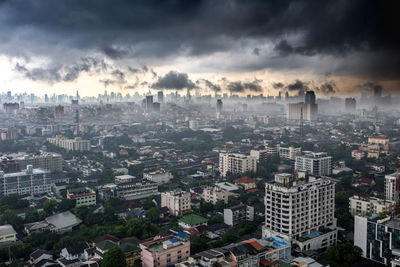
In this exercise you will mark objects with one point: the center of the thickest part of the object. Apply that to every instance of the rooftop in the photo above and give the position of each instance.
(193, 219)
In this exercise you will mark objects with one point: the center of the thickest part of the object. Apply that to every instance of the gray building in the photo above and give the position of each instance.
(30, 181)
(235, 214)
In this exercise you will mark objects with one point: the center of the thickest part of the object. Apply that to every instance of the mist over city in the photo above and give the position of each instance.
(199, 133)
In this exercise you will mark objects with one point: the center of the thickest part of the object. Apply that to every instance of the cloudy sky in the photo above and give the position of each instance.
(333, 47)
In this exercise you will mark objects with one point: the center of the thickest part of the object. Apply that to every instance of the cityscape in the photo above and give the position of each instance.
(199, 133)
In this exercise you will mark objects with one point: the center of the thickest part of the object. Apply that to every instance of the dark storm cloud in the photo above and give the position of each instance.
(256, 51)
(277, 85)
(174, 80)
(60, 73)
(326, 88)
(238, 86)
(298, 85)
(174, 27)
(370, 86)
(212, 86)
(115, 52)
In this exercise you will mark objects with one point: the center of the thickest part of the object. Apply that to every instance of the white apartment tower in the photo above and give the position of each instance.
(392, 187)
(298, 111)
(177, 202)
(236, 163)
(314, 163)
(301, 210)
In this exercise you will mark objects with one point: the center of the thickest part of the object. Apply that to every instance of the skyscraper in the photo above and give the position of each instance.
(310, 97)
(350, 105)
(219, 106)
(149, 102)
(160, 97)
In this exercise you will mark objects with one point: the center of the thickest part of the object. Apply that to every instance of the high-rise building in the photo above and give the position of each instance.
(236, 163)
(350, 105)
(301, 210)
(219, 106)
(379, 238)
(392, 187)
(160, 97)
(314, 163)
(149, 102)
(310, 97)
(302, 111)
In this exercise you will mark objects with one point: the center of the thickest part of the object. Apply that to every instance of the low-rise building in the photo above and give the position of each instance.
(362, 206)
(357, 154)
(212, 194)
(377, 145)
(158, 176)
(84, 196)
(135, 189)
(192, 220)
(235, 214)
(60, 223)
(164, 251)
(7, 234)
(246, 182)
(177, 202)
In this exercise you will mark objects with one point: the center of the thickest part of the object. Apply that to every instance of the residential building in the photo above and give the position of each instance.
(379, 238)
(270, 251)
(289, 152)
(7, 234)
(302, 111)
(212, 194)
(392, 187)
(246, 182)
(76, 144)
(301, 210)
(378, 145)
(177, 202)
(357, 154)
(134, 189)
(164, 251)
(31, 181)
(236, 163)
(191, 221)
(235, 214)
(363, 206)
(47, 161)
(314, 163)
(84, 196)
(158, 176)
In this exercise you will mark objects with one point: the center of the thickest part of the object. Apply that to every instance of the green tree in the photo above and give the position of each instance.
(49, 206)
(115, 257)
(153, 215)
(227, 238)
(332, 254)
(216, 219)
(220, 205)
(66, 204)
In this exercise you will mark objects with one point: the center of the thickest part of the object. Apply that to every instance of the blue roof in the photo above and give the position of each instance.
(174, 240)
(181, 234)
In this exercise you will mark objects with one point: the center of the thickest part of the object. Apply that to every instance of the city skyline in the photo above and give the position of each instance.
(334, 48)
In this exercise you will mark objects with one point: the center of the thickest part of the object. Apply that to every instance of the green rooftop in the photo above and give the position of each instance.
(193, 219)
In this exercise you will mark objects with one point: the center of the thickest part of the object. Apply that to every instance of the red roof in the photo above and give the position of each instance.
(106, 237)
(368, 181)
(254, 243)
(244, 180)
(252, 190)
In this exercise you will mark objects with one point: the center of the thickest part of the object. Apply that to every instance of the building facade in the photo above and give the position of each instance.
(83, 196)
(368, 205)
(314, 163)
(30, 181)
(236, 163)
(302, 111)
(177, 202)
(235, 214)
(212, 194)
(301, 209)
(76, 144)
(158, 176)
(164, 251)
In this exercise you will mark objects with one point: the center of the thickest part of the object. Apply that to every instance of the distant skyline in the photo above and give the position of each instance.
(244, 47)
